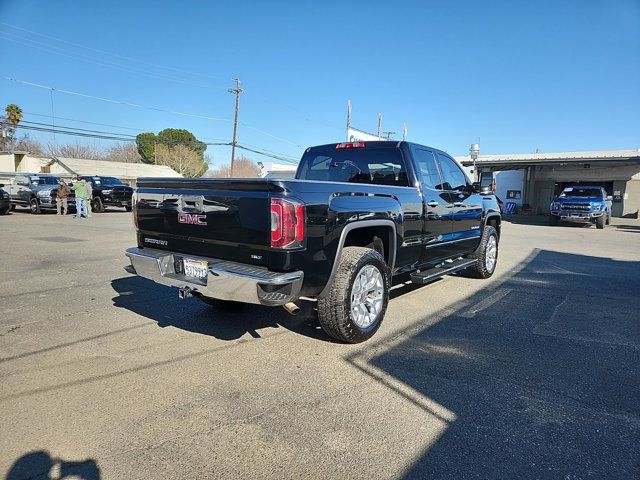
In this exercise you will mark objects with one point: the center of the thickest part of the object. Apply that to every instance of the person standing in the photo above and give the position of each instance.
(62, 198)
(80, 189)
(89, 196)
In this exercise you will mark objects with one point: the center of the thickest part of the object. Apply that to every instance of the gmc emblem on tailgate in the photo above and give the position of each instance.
(192, 219)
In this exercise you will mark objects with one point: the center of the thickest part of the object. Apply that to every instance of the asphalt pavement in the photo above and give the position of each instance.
(534, 373)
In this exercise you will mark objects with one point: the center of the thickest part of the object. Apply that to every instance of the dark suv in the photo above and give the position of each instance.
(5, 201)
(109, 192)
(37, 191)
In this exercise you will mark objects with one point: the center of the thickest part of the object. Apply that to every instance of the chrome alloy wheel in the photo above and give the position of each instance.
(367, 294)
(491, 253)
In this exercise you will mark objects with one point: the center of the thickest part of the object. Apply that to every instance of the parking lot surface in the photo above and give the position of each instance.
(534, 373)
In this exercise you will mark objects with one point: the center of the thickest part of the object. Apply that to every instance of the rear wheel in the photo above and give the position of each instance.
(486, 254)
(355, 306)
(34, 206)
(600, 221)
(97, 205)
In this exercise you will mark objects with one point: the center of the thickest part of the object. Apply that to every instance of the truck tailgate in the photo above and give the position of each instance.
(217, 218)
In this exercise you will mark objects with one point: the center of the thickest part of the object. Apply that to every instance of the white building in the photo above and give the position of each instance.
(277, 170)
(534, 179)
(21, 162)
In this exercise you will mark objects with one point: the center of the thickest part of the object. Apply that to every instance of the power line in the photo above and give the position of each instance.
(277, 157)
(117, 102)
(136, 60)
(135, 105)
(56, 50)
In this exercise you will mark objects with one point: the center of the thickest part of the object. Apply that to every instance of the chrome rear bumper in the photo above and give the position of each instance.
(225, 280)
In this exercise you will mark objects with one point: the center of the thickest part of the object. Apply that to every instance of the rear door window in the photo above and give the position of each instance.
(427, 168)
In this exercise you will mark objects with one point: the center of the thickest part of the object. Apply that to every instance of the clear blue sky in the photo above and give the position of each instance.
(518, 75)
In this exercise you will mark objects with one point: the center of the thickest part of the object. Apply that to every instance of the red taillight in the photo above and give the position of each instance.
(287, 224)
(350, 145)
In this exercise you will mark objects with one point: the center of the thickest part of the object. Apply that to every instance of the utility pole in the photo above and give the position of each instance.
(237, 91)
(379, 126)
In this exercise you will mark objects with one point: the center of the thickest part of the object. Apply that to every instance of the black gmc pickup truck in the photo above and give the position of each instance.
(356, 217)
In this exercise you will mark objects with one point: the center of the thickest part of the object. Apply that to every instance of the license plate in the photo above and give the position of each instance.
(195, 268)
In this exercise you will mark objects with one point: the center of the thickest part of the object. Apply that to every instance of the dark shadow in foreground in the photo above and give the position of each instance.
(540, 370)
(39, 465)
(161, 304)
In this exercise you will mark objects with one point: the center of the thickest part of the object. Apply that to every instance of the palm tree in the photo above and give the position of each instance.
(14, 115)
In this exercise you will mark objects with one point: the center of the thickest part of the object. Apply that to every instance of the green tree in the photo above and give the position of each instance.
(10, 123)
(148, 143)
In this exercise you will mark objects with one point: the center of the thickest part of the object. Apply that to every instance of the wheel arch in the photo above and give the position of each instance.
(355, 234)
(495, 221)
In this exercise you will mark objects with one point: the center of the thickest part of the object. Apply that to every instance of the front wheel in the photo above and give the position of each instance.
(5, 210)
(128, 209)
(34, 206)
(354, 309)
(553, 220)
(600, 221)
(608, 221)
(97, 205)
(486, 254)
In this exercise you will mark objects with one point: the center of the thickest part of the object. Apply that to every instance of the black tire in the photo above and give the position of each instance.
(128, 209)
(483, 269)
(34, 206)
(608, 221)
(5, 210)
(600, 221)
(553, 220)
(97, 205)
(334, 311)
(13, 207)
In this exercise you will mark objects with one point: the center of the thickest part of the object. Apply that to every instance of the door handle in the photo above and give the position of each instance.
(432, 204)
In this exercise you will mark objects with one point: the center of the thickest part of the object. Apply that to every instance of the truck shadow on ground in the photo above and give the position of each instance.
(161, 304)
(40, 465)
(537, 374)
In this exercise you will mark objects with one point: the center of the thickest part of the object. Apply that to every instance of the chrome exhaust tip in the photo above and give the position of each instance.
(292, 308)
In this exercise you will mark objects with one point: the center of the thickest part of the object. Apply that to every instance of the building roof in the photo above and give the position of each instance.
(82, 166)
(616, 156)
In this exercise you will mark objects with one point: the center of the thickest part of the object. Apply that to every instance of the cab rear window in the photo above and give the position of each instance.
(382, 166)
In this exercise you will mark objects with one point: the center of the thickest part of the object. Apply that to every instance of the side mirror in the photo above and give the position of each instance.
(481, 189)
(1, 185)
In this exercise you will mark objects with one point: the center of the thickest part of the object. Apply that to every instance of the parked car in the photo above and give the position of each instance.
(5, 200)
(36, 191)
(581, 204)
(109, 192)
(356, 217)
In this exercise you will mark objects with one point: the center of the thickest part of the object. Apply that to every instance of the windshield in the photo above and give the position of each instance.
(108, 181)
(587, 192)
(45, 180)
(381, 166)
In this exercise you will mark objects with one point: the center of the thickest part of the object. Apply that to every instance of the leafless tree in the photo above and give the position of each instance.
(75, 150)
(126, 153)
(242, 168)
(182, 159)
(27, 144)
